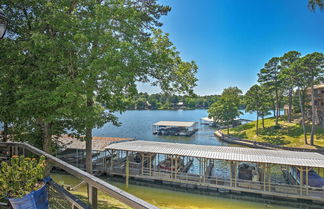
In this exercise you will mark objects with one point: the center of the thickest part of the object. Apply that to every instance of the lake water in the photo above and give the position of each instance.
(170, 199)
(139, 124)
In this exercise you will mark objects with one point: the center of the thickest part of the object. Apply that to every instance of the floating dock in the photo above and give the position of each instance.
(175, 128)
(195, 166)
(263, 165)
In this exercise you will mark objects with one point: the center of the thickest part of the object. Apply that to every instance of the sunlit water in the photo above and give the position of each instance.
(166, 198)
(138, 124)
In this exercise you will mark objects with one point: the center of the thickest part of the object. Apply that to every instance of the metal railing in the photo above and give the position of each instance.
(59, 198)
(94, 183)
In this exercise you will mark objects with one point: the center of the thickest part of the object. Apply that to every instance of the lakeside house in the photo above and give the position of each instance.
(319, 103)
(180, 105)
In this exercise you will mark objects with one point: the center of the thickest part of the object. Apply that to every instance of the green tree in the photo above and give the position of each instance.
(312, 67)
(258, 100)
(119, 44)
(269, 77)
(301, 84)
(252, 102)
(80, 62)
(287, 75)
(226, 109)
(313, 4)
(40, 36)
(265, 103)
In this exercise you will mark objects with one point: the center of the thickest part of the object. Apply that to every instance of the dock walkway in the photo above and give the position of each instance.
(211, 156)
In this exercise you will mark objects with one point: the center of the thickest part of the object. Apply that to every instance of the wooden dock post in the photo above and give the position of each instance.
(176, 166)
(143, 158)
(236, 171)
(301, 180)
(150, 171)
(231, 173)
(93, 196)
(269, 177)
(264, 176)
(127, 170)
(306, 180)
(111, 162)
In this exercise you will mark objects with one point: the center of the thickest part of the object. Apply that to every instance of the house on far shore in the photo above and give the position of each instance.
(286, 109)
(319, 103)
(180, 105)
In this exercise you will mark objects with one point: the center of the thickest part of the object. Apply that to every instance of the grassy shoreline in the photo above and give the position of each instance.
(289, 134)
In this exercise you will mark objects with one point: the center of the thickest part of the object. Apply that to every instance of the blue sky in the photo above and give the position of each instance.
(232, 39)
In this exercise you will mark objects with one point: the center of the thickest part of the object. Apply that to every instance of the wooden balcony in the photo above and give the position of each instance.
(58, 196)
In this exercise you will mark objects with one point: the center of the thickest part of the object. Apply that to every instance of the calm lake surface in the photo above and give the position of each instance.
(170, 199)
(139, 123)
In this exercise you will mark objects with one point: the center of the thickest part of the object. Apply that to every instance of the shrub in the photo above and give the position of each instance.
(21, 175)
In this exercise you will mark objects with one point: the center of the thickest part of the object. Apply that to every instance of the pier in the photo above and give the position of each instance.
(72, 151)
(249, 170)
(175, 128)
(277, 173)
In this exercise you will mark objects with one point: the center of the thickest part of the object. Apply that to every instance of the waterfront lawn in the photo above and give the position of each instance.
(288, 134)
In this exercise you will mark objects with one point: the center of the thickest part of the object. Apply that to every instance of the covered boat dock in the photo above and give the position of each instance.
(207, 121)
(175, 128)
(72, 150)
(260, 171)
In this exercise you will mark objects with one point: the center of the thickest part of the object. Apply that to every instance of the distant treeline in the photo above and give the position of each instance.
(145, 101)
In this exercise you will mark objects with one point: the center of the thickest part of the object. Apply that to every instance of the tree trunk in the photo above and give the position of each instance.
(274, 109)
(303, 116)
(313, 115)
(290, 105)
(277, 107)
(263, 121)
(257, 124)
(228, 125)
(88, 139)
(47, 145)
(47, 137)
(5, 132)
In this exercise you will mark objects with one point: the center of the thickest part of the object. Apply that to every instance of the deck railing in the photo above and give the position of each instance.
(95, 184)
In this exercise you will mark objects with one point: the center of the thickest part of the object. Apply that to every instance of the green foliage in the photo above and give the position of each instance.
(21, 176)
(313, 4)
(70, 65)
(290, 134)
(226, 109)
(165, 101)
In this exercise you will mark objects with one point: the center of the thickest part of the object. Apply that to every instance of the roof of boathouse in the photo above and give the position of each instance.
(98, 143)
(175, 123)
(207, 119)
(281, 157)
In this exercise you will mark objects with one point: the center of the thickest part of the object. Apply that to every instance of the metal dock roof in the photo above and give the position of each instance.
(98, 143)
(207, 119)
(175, 123)
(281, 157)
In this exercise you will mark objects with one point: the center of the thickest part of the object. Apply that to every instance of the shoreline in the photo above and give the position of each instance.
(260, 145)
